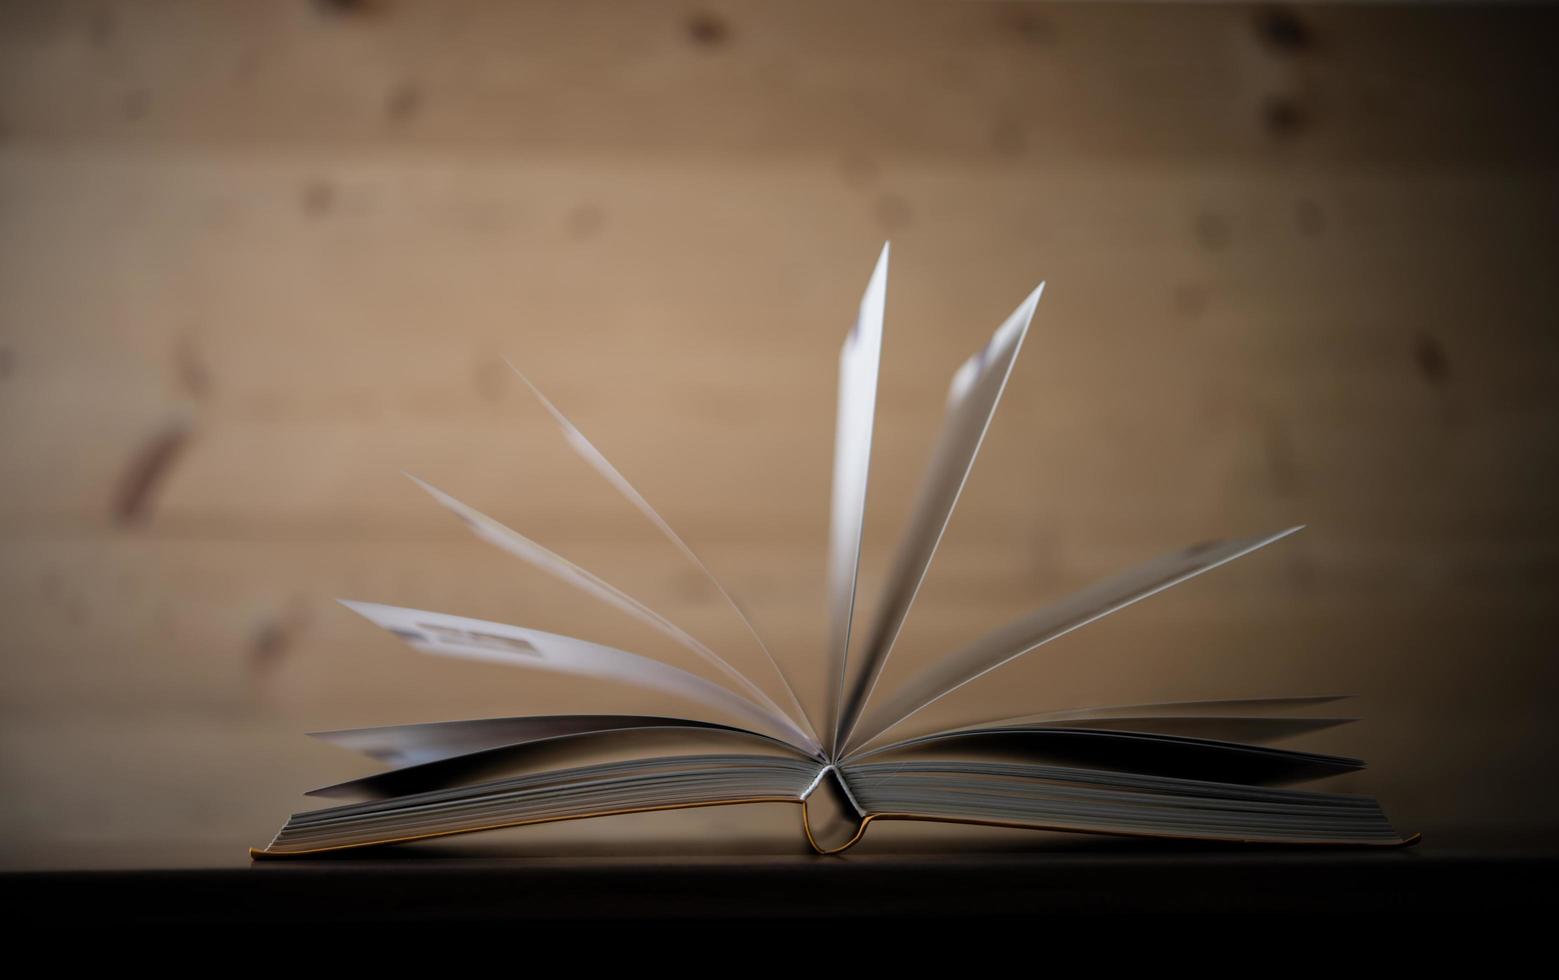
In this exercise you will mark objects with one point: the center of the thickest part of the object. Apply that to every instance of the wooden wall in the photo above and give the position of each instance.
(256, 259)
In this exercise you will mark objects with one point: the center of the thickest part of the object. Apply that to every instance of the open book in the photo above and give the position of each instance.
(1200, 770)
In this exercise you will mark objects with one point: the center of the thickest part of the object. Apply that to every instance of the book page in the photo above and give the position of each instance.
(859, 361)
(475, 639)
(1200, 708)
(556, 565)
(1050, 622)
(409, 745)
(1180, 756)
(1217, 728)
(1235, 709)
(971, 402)
(597, 460)
(557, 752)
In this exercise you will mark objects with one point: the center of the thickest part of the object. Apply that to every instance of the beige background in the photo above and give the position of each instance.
(255, 259)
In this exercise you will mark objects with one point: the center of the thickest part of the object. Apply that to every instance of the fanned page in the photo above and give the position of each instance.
(1040, 627)
(522, 547)
(1221, 718)
(1226, 728)
(597, 460)
(418, 751)
(1166, 755)
(555, 752)
(971, 402)
(411, 745)
(1201, 708)
(858, 365)
(475, 639)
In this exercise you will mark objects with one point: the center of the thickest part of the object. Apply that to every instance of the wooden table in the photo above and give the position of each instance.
(474, 884)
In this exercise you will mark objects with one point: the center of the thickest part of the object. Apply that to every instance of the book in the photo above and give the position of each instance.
(1201, 770)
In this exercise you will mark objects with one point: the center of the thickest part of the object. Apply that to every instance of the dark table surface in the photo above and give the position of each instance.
(486, 883)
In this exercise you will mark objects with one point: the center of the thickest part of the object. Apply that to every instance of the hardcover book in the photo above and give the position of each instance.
(1201, 770)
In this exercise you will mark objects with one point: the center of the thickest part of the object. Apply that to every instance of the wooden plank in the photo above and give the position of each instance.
(257, 259)
(1011, 84)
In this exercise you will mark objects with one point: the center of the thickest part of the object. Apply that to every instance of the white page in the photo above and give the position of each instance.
(1217, 707)
(564, 751)
(858, 364)
(476, 639)
(1205, 709)
(416, 744)
(971, 402)
(1050, 622)
(554, 564)
(1247, 730)
(587, 451)
(1199, 708)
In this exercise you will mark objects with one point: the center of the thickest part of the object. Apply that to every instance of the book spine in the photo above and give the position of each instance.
(839, 821)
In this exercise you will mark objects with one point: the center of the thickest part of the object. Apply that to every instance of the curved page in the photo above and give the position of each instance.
(1040, 627)
(1206, 708)
(971, 402)
(858, 363)
(475, 639)
(1160, 755)
(546, 753)
(556, 565)
(1224, 728)
(1209, 709)
(586, 450)
(411, 745)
